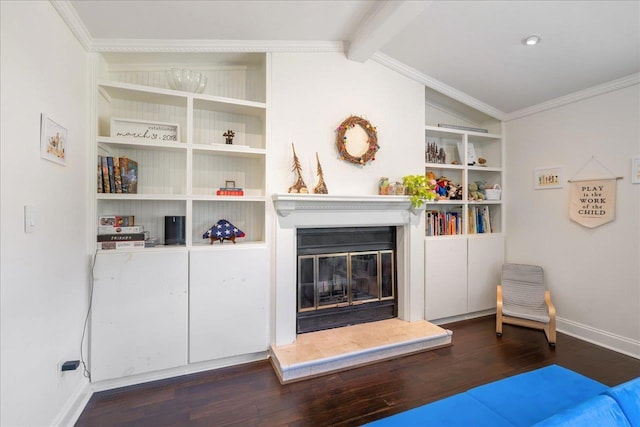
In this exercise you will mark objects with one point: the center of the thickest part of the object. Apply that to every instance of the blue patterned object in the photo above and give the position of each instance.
(223, 230)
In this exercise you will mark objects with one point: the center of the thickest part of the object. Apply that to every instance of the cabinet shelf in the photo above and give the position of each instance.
(443, 166)
(148, 94)
(458, 144)
(228, 150)
(484, 169)
(181, 178)
(439, 132)
(108, 143)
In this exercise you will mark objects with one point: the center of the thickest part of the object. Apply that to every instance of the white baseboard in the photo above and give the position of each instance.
(462, 317)
(191, 368)
(71, 411)
(599, 337)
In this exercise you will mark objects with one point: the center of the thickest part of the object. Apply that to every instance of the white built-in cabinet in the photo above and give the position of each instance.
(463, 262)
(139, 313)
(216, 302)
(228, 303)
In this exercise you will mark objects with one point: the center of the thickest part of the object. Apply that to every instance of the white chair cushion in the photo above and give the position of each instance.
(523, 292)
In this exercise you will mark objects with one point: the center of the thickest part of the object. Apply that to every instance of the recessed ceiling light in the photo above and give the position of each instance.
(531, 40)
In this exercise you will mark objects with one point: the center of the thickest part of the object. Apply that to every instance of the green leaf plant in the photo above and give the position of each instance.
(419, 188)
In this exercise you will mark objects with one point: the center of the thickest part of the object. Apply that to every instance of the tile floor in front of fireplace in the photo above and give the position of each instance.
(331, 350)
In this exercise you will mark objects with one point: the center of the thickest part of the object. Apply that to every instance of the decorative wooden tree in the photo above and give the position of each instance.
(321, 187)
(299, 186)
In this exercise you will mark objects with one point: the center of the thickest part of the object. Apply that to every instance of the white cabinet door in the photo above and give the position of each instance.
(445, 277)
(228, 300)
(139, 312)
(486, 256)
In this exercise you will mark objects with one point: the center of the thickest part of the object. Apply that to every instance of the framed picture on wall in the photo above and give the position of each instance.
(635, 170)
(548, 178)
(53, 140)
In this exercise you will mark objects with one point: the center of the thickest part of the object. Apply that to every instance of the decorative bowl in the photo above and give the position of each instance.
(186, 80)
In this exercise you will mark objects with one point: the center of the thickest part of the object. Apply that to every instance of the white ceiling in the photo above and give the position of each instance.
(472, 46)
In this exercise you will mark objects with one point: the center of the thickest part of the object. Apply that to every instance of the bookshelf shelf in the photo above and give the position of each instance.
(181, 178)
(456, 144)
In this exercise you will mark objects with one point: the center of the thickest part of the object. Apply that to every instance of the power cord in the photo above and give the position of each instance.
(85, 371)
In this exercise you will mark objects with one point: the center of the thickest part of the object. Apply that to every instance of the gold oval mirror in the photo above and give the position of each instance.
(357, 140)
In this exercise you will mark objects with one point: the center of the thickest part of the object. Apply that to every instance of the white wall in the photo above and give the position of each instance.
(311, 94)
(44, 275)
(593, 274)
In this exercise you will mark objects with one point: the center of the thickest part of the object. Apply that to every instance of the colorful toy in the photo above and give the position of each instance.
(223, 230)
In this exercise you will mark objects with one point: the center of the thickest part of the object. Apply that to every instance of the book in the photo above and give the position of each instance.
(120, 245)
(129, 175)
(107, 229)
(100, 184)
(112, 182)
(230, 191)
(105, 176)
(467, 128)
(121, 237)
(116, 221)
(116, 174)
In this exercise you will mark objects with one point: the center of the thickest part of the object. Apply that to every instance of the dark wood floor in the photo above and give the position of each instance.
(250, 395)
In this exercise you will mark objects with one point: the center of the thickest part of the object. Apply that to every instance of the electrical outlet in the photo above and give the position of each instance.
(67, 365)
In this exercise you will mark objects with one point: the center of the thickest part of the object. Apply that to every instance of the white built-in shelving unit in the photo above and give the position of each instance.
(181, 178)
(462, 269)
(216, 317)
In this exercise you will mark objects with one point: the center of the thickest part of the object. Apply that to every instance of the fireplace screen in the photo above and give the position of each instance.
(344, 279)
(345, 276)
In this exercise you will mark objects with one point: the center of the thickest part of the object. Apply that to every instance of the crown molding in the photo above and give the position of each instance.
(437, 85)
(146, 45)
(73, 21)
(601, 89)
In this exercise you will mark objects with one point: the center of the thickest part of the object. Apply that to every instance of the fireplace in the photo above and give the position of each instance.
(345, 276)
(297, 212)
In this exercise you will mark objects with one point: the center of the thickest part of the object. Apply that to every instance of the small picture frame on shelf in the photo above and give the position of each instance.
(53, 140)
(548, 178)
(229, 184)
(471, 154)
(141, 130)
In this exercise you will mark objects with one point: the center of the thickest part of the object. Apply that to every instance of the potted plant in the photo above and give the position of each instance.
(419, 188)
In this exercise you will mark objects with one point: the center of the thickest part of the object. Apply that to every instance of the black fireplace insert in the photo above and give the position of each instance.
(345, 276)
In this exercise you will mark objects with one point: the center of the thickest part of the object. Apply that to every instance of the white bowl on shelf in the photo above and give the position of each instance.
(186, 80)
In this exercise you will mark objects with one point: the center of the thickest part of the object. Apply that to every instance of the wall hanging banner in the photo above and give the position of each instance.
(593, 203)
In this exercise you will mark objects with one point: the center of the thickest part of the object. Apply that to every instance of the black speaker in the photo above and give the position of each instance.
(174, 230)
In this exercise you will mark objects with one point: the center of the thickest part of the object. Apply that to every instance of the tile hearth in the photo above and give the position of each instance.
(332, 350)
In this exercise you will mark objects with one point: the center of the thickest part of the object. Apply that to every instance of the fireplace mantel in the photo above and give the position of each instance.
(285, 204)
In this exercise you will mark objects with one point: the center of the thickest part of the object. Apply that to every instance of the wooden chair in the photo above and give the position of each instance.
(522, 300)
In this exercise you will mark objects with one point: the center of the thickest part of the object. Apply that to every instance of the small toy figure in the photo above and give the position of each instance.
(442, 188)
(223, 230)
(228, 135)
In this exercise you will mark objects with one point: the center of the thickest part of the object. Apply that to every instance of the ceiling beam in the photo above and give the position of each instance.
(387, 19)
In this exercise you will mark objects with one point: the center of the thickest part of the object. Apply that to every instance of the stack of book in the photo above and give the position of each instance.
(117, 175)
(443, 223)
(119, 232)
(230, 191)
(479, 220)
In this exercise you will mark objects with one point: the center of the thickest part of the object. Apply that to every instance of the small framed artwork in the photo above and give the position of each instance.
(635, 170)
(471, 154)
(229, 184)
(53, 140)
(547, 178)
